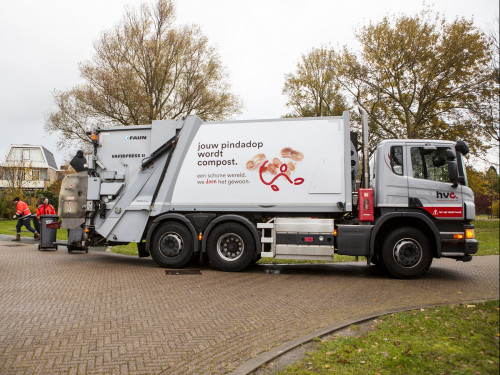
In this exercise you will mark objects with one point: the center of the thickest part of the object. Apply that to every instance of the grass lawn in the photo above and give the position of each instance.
(487, 235)
(9, 227)
(461, 339)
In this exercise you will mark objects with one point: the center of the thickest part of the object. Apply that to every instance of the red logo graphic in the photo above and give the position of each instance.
(445, 211)
(283, 170)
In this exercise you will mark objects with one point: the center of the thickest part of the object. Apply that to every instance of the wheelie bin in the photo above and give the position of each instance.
(47, 235)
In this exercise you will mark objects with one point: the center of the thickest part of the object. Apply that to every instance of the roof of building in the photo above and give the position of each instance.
(49, 156)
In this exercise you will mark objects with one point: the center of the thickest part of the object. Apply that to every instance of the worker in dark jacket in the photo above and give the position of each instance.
(23, 216)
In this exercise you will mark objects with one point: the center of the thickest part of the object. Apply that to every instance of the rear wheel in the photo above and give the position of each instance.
(406, 253)
(172, 245)
(230, 247)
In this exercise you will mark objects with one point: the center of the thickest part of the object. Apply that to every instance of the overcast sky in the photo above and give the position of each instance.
(259, 41)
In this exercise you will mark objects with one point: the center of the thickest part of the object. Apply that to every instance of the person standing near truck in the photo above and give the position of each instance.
(23, 216)
(44, 209)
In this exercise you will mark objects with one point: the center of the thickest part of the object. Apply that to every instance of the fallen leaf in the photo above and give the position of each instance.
(328, 353)
(327, 366)
(470, 306)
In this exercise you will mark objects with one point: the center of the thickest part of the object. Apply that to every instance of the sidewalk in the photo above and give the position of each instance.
(106, 313)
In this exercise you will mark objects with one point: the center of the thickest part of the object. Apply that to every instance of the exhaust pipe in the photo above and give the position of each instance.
(364, 133)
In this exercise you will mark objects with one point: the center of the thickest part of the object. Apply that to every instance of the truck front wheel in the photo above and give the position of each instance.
(406, 253)
(230, 247)
(172, 245)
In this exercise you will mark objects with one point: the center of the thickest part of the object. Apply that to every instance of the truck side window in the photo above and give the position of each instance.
(397, 160)
(430, 165)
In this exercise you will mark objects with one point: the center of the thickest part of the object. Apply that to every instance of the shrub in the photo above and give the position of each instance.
(495, 209)
(3, 205)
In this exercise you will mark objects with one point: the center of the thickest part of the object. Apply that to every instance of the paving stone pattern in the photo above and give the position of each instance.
(99, 313)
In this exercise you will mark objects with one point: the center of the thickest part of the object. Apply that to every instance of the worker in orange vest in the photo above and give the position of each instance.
(45, 209)
(23, 216)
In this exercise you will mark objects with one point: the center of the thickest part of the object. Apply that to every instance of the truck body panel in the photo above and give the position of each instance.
(215, 174)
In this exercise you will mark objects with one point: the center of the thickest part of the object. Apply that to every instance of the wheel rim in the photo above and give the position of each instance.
(407, 253)
(230, 247)
(171, 244)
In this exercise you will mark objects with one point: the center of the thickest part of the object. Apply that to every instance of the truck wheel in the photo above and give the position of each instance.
(172, 245)
(230, 247)
(406, 253)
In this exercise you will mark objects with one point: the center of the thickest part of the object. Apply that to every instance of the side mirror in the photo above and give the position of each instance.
(453, 172)
(462, 147)
(450, 155)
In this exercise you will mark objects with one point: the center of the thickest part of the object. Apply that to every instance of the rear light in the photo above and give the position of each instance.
(335, 232)
(469, 234)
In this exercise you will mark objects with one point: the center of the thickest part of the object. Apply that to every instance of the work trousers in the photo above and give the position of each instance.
(26, 222)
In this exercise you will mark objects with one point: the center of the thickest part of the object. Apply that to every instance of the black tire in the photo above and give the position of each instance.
(172, 245)
(406, 253)
(230, 247)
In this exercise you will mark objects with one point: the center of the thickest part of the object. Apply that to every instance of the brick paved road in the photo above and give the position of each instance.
(105, 313)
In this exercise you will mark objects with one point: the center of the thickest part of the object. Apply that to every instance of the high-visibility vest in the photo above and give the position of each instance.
(22, 209)
(45, 210)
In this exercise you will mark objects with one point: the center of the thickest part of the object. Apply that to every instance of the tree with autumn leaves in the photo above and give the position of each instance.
(416, 76)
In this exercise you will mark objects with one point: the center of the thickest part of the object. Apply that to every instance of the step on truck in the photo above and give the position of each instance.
(236, 191)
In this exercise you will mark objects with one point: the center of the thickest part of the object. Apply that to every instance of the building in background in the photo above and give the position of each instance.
(28, 167)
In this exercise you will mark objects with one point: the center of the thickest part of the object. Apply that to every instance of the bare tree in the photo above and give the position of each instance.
(145, 69)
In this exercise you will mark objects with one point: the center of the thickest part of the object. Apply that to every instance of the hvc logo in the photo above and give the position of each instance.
(445, 195)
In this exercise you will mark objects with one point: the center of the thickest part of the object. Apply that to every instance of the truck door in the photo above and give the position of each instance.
(429, 185)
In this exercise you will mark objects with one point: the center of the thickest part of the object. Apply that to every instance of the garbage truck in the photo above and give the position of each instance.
(236, 191)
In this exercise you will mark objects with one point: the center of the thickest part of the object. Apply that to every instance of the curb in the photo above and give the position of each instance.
(263, 358)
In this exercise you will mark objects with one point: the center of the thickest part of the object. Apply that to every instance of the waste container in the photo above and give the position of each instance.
(47, 235)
